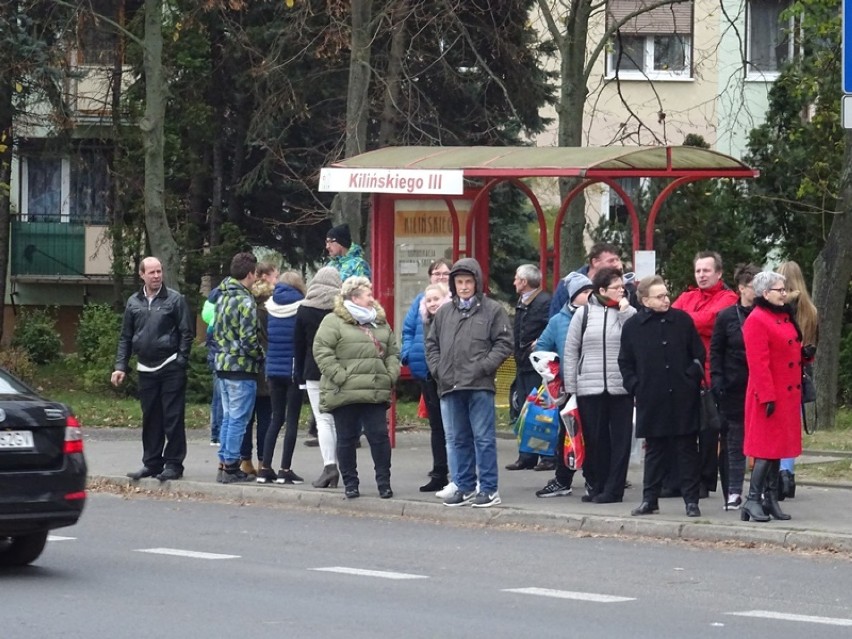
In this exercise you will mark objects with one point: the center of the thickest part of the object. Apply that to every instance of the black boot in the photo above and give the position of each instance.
(752, 508)
(788, 485)
(770, 495)
(437, 482)
(328, 478)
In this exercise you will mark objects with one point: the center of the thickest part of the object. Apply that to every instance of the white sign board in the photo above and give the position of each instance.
(413, 181)
(644, 264)
(846, 111)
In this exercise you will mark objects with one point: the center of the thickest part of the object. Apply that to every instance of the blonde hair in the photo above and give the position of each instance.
(355, 285)
(797, 294)
(294, 279)
(442, 289)
(265, 268)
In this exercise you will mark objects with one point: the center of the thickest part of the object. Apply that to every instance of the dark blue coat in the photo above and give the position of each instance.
(282, 307)
(413, 353)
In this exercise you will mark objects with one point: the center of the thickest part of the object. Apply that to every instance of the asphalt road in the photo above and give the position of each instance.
(160, 568)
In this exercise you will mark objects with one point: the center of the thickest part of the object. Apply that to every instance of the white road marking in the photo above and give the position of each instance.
(784, 616)
(370, 573)
(176, 552)
(59, 538)
(568, 594)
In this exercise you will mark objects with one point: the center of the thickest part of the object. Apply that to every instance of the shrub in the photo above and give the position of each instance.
(97, 323)
(18, 362)
(35, 332)
(199, 379)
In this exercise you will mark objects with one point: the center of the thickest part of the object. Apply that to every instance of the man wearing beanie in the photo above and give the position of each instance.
(470, 338)
(346, 257)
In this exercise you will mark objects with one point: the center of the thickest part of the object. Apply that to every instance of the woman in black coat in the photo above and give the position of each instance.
(729, 373)
(662, 365)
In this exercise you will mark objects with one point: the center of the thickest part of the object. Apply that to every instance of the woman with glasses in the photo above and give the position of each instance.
(590, 366)
(413, 355)
(729, 372)
(773, 406)
(662, 362)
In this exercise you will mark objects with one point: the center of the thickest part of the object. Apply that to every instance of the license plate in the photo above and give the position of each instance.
(16, 439)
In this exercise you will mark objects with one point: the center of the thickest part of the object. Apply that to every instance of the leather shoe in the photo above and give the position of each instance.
(352, 493)
(692, 510)
(545, 464)
(645, 508)
(386, 493)
(604, 498)
(520, 464)
(143, 472)
(170, 474)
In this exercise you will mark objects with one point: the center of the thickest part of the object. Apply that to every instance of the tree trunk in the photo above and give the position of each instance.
(832, 272)
(6, 117)
(160, 238)
(393, 78)
(116, 214)
(357, 106)
(572, 101)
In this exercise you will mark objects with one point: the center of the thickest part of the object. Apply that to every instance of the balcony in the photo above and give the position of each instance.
(50, 251)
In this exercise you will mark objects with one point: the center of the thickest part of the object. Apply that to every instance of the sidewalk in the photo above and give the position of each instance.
(822, 517)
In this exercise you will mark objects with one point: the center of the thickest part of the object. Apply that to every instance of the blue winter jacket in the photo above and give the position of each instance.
(413, 353)
(553, 337)
(282, 307)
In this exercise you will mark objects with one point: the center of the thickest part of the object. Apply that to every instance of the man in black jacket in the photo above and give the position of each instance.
(157, 330)
(531, 315)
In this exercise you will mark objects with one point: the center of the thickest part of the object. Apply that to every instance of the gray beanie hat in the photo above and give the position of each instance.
(576, 283)
(324, 287)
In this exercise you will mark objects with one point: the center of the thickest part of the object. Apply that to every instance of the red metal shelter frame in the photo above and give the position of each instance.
(491, 166)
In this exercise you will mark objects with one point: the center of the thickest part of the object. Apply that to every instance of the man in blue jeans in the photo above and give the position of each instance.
(237, 361)
(469, 340)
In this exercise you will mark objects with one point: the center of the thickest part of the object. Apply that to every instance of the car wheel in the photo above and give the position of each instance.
(22, 549)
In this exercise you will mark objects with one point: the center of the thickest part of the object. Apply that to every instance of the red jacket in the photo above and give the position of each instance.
(774, 354)
(703, 305)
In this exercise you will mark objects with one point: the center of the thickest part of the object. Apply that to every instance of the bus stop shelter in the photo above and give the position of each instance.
(445, 177)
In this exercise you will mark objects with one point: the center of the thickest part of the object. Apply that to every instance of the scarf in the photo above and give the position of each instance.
(605, 301)
(783, 309)
(359, 313)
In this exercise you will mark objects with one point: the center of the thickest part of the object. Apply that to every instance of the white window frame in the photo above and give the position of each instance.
(64, 188)
(648, 72)
(756, 74)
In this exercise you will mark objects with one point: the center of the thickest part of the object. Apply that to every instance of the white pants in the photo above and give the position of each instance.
(326, 434)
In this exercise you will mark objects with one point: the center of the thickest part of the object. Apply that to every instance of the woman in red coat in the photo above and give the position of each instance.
(773, 405)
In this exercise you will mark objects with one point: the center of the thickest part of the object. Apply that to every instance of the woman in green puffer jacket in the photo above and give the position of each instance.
(358, 357)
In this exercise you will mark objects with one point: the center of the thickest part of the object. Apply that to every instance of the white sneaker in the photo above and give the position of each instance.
(447, 491)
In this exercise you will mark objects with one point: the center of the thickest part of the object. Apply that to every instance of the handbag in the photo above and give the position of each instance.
(537, 426)
(808, 386)
(573, 445)
(709, 412)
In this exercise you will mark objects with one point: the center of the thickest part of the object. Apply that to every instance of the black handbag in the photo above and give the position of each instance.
(808, 386)
(709, 412)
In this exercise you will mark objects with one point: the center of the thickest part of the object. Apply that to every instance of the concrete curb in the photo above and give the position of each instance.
(751, 534)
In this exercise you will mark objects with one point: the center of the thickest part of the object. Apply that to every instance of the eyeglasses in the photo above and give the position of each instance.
(779, 290)
(441, 274)
(615, 288)
(661, 296)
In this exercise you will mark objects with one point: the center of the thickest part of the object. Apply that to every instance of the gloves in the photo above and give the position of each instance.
(808, 351)
(770, 408)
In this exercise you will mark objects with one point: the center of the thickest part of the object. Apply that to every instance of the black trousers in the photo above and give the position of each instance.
(564, 475)
(686, 453)
(286, 405)
(436, 425)
(162, 395)
(708, 464)
(608, 433)
(348, 421)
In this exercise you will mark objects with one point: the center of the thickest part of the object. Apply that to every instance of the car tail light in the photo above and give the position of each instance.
(73, 436)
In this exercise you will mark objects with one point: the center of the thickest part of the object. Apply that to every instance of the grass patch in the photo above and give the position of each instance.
(836, 471)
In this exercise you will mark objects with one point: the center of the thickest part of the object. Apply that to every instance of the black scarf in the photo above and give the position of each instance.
(784, 309)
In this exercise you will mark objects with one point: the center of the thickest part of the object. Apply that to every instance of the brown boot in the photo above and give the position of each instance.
(247, 467)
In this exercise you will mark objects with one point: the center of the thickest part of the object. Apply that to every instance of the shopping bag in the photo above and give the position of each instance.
(422, 411)
(573, 447)
(537, 426)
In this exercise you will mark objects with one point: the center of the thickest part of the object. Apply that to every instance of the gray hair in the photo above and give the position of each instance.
(765, 280)
(355, 285)
(530, 273)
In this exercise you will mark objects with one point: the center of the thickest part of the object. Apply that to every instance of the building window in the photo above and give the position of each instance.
(612, 204)
(770, 44)
(65, 189)
(655, 45)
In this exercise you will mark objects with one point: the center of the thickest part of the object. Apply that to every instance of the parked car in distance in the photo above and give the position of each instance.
(42, 470)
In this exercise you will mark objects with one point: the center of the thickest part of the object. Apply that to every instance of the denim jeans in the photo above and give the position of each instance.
(216, 410)
(470, 428)
(237, 406)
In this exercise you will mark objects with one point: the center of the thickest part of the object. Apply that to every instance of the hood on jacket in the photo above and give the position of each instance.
(231, 286)
(576, 283)
(466, 265)
(285, 301)
(324, 287)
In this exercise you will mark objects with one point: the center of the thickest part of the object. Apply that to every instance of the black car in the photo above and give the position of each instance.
(42, 470)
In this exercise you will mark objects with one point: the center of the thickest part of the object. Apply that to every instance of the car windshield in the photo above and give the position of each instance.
(11, 386)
